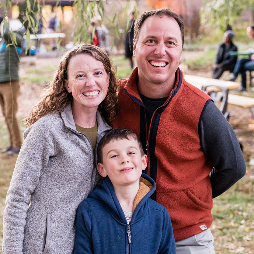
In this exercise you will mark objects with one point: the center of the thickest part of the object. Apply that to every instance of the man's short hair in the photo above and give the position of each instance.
(160, 12)
(117, 134)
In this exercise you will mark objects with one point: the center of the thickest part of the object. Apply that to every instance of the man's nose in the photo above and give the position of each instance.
(160, 49)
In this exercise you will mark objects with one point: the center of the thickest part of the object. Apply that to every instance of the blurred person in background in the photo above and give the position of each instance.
(9, 81)
(53, 24)
(224, 61)
(129, 40)
(99, 35)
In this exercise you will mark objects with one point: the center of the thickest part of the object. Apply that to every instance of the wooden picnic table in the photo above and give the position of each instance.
(201, 81)
(217, 86)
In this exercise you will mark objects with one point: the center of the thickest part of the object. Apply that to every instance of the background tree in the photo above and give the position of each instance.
(84, 11)
(222, 12)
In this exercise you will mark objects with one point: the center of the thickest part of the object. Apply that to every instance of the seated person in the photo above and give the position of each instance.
(224, 61)
(244, 64)
(119, 216)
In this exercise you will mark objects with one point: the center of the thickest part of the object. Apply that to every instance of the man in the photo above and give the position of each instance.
(193, 152)
(224, 61)
(9, 84)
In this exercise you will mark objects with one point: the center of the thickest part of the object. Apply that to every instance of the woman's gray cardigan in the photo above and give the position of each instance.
(54, 172)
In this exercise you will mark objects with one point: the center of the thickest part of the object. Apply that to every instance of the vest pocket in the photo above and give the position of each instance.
(46, 235)
(204, 204)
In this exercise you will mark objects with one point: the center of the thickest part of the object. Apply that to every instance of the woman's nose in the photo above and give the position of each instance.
(91, 81)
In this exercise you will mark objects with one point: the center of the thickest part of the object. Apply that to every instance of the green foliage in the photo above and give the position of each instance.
(222, 12)
(85, 11)
(29, 12)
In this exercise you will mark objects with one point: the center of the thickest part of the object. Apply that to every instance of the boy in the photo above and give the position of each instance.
(118, 216)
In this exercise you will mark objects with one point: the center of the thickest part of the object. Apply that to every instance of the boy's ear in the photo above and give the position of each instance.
(101, 170)
(144, 162)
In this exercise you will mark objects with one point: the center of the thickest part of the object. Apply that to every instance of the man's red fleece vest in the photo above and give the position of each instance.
(176, 160)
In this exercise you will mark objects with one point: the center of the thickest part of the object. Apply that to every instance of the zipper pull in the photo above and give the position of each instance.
(147, 145)
(129, 233)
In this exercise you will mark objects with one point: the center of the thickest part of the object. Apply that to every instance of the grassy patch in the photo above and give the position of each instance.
(233, 226)
(205, 61)
(37, 79)
(38, 76)
(122, 66)
(49, 68)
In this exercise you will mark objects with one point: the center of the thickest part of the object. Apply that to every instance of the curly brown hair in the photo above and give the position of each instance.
(57, 97)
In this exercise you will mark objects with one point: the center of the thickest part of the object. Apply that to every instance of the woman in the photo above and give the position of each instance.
(55, 169)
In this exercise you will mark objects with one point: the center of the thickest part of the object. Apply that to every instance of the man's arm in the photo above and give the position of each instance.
(220, 145)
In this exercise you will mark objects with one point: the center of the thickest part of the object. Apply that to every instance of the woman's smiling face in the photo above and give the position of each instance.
(87, 81)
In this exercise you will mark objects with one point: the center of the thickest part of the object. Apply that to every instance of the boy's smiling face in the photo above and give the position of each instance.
(122, 162)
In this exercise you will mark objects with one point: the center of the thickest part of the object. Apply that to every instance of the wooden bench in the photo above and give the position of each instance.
(242, 101)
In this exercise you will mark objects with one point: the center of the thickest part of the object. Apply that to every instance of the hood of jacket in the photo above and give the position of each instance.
(105, 193)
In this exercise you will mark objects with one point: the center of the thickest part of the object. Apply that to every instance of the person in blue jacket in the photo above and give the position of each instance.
(118, 216)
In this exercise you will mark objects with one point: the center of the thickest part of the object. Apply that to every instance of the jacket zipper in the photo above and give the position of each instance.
(128, 238)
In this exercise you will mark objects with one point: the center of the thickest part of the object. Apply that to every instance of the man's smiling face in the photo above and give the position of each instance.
(158, 51)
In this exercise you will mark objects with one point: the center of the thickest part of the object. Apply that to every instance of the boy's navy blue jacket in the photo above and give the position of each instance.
(101, 226)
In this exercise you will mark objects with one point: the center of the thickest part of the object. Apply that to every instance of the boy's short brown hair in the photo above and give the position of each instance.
(116, 134)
